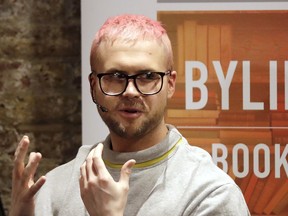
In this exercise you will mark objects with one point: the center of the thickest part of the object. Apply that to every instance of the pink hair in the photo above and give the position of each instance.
(130, 29)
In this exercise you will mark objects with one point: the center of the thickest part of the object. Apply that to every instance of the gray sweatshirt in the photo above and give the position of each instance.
(172, 178)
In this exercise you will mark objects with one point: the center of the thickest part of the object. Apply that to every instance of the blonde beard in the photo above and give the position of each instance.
(146, 126)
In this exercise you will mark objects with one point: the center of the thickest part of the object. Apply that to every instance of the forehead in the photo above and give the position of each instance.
(143, 54)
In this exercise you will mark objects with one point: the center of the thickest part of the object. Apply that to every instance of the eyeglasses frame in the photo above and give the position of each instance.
(134, 76)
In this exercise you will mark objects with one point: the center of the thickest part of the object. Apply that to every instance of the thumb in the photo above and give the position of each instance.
(126, 171)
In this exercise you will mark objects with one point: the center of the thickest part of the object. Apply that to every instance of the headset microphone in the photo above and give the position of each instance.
(102, 108)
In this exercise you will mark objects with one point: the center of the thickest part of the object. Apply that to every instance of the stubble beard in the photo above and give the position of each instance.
(144, 128)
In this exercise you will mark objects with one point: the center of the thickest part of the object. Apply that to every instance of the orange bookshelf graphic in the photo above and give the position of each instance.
(224, 36)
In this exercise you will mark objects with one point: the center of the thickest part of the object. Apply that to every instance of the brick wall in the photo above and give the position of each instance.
(40, 82)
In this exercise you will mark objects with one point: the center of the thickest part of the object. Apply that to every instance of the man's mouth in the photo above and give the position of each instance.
(131, 110)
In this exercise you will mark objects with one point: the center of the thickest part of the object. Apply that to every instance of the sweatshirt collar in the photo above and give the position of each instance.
(144, 158)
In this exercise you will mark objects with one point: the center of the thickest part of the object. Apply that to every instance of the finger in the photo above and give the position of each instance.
(83, 178)
(90, 172)
(82, 172)
(36, 187)
(30, 170)
(19, 157)
(98, 162)
(126, 171)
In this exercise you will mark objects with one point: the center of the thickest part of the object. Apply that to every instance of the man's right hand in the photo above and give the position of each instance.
(23, 186)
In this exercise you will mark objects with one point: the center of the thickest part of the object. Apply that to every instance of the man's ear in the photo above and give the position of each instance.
(92, 82)
(171, 83)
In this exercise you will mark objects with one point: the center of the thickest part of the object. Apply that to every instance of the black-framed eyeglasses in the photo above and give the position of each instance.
(147, 83)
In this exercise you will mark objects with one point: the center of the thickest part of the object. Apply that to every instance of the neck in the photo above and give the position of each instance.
(132, 144)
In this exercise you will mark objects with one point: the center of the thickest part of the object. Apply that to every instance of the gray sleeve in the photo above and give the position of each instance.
(226, 200)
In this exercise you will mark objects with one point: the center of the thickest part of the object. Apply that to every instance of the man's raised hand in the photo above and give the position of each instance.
(101, 195)
(23, 186)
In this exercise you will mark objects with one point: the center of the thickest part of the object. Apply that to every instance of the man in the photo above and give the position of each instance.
(144, 166)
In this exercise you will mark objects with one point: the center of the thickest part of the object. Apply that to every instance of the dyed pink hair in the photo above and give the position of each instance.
(130, 29)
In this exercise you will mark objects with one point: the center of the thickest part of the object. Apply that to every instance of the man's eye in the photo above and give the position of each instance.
(149, 75)
(118, 76)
